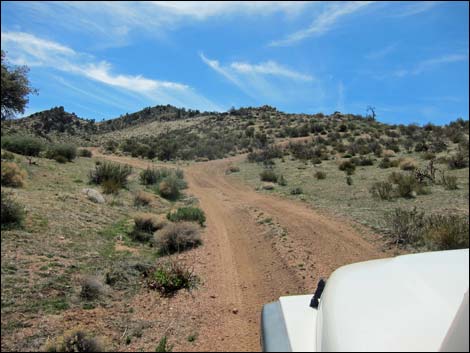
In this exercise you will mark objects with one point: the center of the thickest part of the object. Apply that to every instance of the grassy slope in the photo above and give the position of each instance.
(66, 237)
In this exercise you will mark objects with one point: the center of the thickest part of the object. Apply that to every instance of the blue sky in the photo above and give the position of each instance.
(101, 59)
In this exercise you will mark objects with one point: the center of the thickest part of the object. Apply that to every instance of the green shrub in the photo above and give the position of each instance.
(13, 214)
(193, 214)
(62, 152)
(25, 145)
(12, 175)
(7, 156)
(282, 181)
(382, 190)
(449, 181)
(385, 163)
(169, 188)
(85, 153)
(163, 346)
(75, 340)
(458, 161)
(406, 226)
(170, 277)
(348, 167)
(296, 191)
(177, 237)
(110, 172)
(349, 180)
(111, 186)
(446, 232)
(320, 175)
(268, 175)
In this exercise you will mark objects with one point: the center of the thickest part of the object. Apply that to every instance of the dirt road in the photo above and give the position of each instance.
(257, 247)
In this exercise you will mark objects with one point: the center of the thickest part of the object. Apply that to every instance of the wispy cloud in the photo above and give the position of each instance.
(324, 22)
(415, 8)
(113, 23)
(265, 81)
(25, 48)
(430, 64)
(381, 53)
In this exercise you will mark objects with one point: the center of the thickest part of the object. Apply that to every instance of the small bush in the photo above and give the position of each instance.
(143, 198)
(428, 156)
(106, 171)
(385, 163)
(85, 153)
(282, 181)
(408, 164)
(447, 232)
(320, 175)
(62, 152)
(149, 176)
(193, 214)
(169, 188)
(382, 190)
(406, 226)
(177, 237)
(145, 224)
(348, 167)
(7, 156)
(25, 145)
(296, 191)
(163, 346)
(349, 180)
(268, 175)
(458, 161)
(233, 169)
(111, 186)
(12, 175)
(91, 288)
(449, 181)
(13, 214)
(75, 340)
(170, 277)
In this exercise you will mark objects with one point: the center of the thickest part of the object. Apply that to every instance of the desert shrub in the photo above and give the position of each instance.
(446, 232)
(385, 163)
(427, 156)
(177, 237)
(281, 180)
(458, 161)
(233, 169)
(349, 180)
(268, 175)
(13, 214)
(142, 198)
(25, 145)
(382, 190)
(363, 161)
(348, 167)
(388, 153)
(62, 152)
(7, 156)
(75, 340)
(266, 154)
(408, 164)
(406, 226)
(85, 153)
(296, 191)
(106, 172)
(320, 175)
(12, 175)
(91, 288)
(169, 188)
(449, 181)
(163, 346)
(170, 277)
(192, 214)
(125, 273)
(406, 185)
(145, 224)
(111, 186)
(151, 176)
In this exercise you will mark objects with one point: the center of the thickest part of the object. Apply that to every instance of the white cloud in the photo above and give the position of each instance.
(416, 8)
(430, 64)
(112, 23)
(381, 53)
(25, 48)
(269, 68)
(268, 81)
(324, 22)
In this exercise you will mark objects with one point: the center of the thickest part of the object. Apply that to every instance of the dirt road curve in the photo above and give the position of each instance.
(247, 263)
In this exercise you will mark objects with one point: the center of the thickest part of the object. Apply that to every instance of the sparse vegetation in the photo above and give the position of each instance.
(12, 175)
(13, 214)
(193, 214)
(177, 237)
(91, 288)
(85, 153)
(114, 175)
(382, 190)
(320, 175)
(75, 340)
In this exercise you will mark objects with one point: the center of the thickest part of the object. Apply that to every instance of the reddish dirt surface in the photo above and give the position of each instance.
(245, 263)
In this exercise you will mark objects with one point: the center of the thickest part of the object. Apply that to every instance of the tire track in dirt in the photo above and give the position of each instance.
(244, 265)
